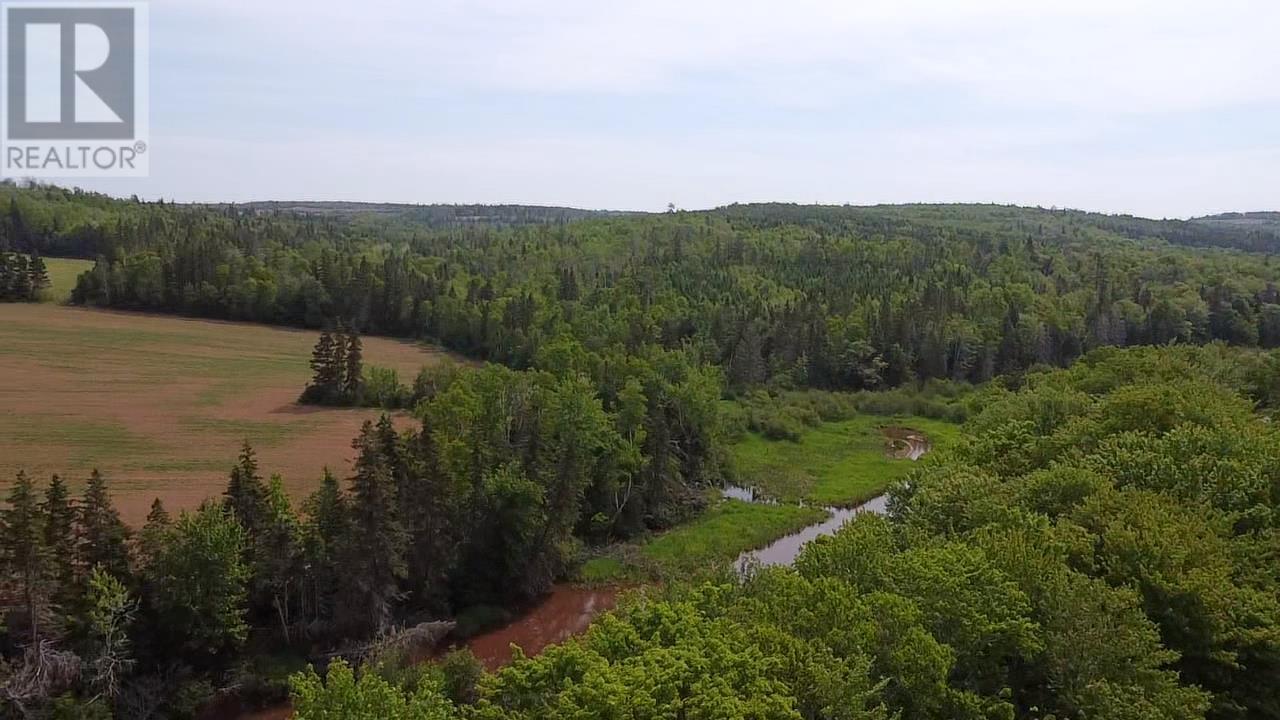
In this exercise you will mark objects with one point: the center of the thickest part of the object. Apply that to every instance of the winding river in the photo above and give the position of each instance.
(569, 609)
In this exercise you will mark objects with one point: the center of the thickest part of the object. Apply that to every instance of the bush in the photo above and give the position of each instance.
(461, 672)
(382, 388)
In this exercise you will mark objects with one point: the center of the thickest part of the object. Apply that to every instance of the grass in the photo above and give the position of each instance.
(161, 404)
(834, 464)
(63, 273)
(728, 529)
(718, 536)
(837, 464)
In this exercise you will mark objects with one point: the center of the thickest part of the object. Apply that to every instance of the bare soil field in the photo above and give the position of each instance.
(161, 404)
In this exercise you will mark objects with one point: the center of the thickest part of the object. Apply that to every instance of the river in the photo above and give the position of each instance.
(568, 610)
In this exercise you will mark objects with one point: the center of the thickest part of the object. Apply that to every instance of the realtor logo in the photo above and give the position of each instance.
(75, 86)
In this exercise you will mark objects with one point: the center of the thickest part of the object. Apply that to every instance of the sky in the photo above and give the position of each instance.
(1159, 108)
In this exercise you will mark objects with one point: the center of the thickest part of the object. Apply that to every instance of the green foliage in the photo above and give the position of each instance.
(340, 694)
(199, 582)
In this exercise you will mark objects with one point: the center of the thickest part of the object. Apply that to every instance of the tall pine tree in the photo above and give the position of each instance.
(103, 538)
(60, 537)
(26, 552)
(246, 494)
(353, 374)
(374, 554)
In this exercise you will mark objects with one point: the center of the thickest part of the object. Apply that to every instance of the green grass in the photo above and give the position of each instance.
(602, 570)
(728, 529)
(62, 277)
(838, 463)
(718, 536)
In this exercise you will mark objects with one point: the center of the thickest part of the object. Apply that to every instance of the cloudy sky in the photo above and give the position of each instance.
(1160, 107)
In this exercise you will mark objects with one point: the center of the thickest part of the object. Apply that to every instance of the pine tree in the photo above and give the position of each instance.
(6, 277)
(428, 508)
(26, 552)
(59, 537)
(20, 282)
(103, 538)
(324, 537)
(374, 554)
(353, 374)
(326, 370)
(338, 358)
(152, 537)
(246, 495)
(39, 275)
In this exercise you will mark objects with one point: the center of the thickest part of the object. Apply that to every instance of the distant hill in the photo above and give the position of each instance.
(1254, 231)
(435, 215)
(1266, 223)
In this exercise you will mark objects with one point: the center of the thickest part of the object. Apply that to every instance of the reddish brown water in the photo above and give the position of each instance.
(566, 612)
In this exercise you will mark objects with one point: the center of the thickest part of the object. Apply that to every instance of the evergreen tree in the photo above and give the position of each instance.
(60, 538)
(26, 553)
(20, 280)
(39, 275)
(353, 373)
(429, 505)
(103, 538)
(6, 277)
(323, 541)
(153, 535)
(374, 552)
(326, 367)
(246, 494)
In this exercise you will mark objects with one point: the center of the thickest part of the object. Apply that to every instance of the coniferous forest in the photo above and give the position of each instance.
(1100, 543)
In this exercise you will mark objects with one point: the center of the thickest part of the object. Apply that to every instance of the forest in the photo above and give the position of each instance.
(1101, 543)
(838, 298)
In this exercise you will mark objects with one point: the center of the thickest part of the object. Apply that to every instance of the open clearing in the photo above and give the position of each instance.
(160, 404)
(836, 463)
(63, 273)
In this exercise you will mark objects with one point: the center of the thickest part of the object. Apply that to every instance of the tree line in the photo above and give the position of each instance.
(22, 278)
(825, 297)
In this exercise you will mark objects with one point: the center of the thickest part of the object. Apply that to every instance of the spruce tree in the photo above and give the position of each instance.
(39, 275)
(6, 277)
(338, 360)
(353, 373)
(428, 509)
(103, 538)
(60, 537)
(374, 554)
(26, 552)
(246, 495)
(152, 537)
(323, 541)
(20, 282)
(326, 373)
